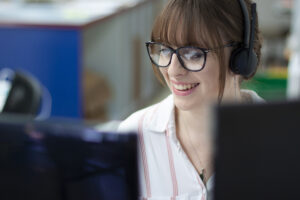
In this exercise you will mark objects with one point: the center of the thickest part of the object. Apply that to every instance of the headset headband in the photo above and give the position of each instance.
(253, 23)
(243, 59)
(246, 23)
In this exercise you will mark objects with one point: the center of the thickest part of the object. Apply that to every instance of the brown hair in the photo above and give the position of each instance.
(203, 23)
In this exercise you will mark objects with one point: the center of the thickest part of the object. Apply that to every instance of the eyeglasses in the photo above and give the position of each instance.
(191, 58)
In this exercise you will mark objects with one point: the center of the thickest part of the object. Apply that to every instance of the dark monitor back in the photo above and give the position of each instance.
(65, 161)
(258, 152)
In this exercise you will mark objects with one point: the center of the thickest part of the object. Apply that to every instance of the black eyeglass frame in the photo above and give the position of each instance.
(176, 51)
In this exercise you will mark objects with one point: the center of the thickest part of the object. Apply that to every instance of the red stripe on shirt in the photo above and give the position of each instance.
(144, 156)
(172, 167)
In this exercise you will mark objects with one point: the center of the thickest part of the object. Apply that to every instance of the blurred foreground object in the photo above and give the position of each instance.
(65, 160)
(293, 90)
(257, 157)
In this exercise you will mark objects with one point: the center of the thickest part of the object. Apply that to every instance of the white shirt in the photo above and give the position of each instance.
(165, 171)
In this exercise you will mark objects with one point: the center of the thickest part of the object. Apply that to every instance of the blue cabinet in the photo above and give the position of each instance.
(53, 56)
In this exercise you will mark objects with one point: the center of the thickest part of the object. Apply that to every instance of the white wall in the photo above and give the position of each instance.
(108, 49)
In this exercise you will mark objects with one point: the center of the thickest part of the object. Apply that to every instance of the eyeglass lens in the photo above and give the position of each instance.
(193, 58)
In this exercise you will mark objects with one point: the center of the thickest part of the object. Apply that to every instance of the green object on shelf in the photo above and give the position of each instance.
(268, 87)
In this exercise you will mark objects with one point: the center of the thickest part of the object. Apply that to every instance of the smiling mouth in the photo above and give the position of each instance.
(185, 87)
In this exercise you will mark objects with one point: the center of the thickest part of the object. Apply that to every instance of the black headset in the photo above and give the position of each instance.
(244, 60)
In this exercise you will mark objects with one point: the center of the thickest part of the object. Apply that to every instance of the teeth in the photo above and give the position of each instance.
(185, 87)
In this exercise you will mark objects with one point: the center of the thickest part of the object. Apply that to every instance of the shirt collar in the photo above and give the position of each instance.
(158, 119)
(162, 113)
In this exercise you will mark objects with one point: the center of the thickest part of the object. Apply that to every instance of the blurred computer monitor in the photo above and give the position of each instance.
(258, 151)
(63, 160)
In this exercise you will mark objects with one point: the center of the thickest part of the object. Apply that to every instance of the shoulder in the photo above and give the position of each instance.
(150, 114)
(251, 96)
(131, 122)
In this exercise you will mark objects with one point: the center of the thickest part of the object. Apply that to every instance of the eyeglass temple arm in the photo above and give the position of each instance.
(231, 44)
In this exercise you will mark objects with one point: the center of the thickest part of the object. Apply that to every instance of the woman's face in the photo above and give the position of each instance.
(193, 89)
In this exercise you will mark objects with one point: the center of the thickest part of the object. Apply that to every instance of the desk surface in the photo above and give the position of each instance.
(73, 14)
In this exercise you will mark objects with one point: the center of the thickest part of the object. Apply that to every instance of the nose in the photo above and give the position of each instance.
(175, 68)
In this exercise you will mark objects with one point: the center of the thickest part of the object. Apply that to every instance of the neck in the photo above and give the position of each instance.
(192, 118)
(195, 138)
(195, 123)
(232, 91)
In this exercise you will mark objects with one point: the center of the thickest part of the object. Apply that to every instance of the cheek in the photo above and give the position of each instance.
(209, 77)
(210, 74)
(164, 73)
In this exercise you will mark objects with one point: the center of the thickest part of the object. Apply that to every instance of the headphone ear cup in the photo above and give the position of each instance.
(252, 63)
(237, 60)
(242, 62)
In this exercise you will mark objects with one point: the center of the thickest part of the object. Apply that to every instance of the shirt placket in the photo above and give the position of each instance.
(172, 132)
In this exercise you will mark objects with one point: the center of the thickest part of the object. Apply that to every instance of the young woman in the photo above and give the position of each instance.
(202, 49)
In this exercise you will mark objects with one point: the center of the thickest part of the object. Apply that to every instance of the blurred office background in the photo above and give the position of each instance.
(91, 56)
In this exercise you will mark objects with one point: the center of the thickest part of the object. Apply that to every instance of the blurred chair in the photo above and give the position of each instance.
(96, 96)
(23, 93)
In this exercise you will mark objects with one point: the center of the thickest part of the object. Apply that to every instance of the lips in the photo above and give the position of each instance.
(184, 89)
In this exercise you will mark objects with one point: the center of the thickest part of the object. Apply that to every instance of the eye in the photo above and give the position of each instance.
(165, 51)
(192, 54)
